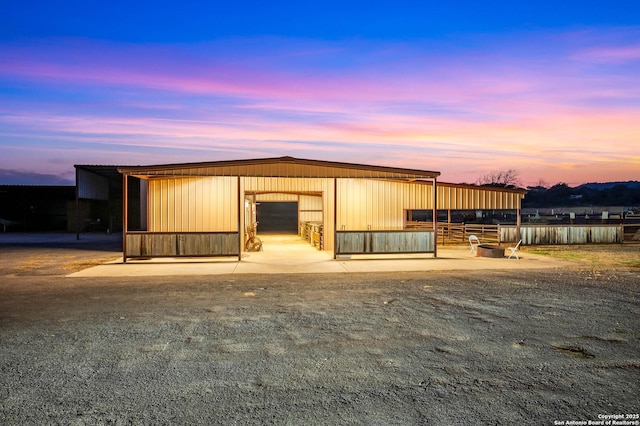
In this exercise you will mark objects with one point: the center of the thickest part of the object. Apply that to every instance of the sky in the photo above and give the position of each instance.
(548, 88)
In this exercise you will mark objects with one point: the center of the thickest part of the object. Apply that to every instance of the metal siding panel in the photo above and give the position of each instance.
(328, 214)
(174, 199)
(176, 194)
(194, 205)
(207, 200)
(154, 208)
(209, 214)
(276, 197)
(199, 223)
(235, 204)
(168, 210)
(163, 207)
(151, 206)
(181, 194)
(361, 206)
(158, 206)
(172, 205)
(344, 187)
(219, 203)
(310, 202)
(182, 217)
(371, 198)
(92, 186)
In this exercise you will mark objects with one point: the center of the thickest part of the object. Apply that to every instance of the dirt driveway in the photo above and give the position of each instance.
(491, 347)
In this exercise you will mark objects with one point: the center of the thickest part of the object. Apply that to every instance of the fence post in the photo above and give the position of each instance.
(621, 233)
(518, 225)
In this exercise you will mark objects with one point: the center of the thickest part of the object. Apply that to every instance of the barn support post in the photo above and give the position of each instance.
(125, 215)
(240, 212)
(335, 218)
(77, 208)
(435, 217)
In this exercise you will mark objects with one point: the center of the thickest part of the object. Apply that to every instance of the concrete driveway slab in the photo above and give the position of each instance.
(291, 255)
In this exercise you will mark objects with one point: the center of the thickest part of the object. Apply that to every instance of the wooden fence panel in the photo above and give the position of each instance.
(563, 234)
(167, 244)
(384, 242)
(350, 242)
(487, 233)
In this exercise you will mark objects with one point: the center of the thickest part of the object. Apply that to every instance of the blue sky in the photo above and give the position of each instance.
(551, 89)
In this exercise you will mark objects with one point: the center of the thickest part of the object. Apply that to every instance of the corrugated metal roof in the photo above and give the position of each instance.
(278, 167)
(483, 187)
(486, 188)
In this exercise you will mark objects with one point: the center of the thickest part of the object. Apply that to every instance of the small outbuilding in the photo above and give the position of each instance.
(212, 208)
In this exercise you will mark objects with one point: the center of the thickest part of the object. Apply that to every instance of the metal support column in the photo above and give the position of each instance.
(435, 218)
(125, 215)
(240, 212)
(335, 217)
(77, 208)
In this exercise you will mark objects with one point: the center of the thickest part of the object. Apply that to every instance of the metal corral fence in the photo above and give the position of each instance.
(458, 233)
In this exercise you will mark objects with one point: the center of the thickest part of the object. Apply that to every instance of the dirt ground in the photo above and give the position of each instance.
(442, 348)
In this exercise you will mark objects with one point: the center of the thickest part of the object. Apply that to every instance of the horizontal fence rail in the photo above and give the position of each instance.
(385, 242)
(486, 233)
(458, 233)
(176, 244)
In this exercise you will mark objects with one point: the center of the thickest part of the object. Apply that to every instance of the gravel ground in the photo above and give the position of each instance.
(488, 347)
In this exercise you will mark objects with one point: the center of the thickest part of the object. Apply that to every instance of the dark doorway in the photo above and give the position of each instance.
(278, 217)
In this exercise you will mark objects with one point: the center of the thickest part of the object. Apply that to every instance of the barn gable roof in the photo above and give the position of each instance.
(278, 167)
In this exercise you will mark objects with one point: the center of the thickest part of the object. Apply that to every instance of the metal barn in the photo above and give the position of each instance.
(210, 208)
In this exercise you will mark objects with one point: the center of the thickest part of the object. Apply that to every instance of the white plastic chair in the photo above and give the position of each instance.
(514, 250)
(473, 242)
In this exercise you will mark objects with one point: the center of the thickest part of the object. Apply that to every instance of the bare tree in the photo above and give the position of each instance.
(501, 178)
(542, 184)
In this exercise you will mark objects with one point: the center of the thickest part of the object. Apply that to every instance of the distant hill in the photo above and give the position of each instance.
(608, 185)
(625, 194)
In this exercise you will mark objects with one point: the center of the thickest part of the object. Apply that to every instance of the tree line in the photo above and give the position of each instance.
(626, 194)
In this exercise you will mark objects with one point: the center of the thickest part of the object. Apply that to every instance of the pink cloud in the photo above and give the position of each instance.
(613, 54)
(461, 115)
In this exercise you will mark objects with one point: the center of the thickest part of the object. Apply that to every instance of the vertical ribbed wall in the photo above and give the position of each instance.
(310, 208)
(202, 204)
(466, 198)
(378, 205)
(209, 204)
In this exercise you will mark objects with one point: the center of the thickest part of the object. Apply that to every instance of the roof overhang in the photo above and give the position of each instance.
(106, 171)
(278, 167)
